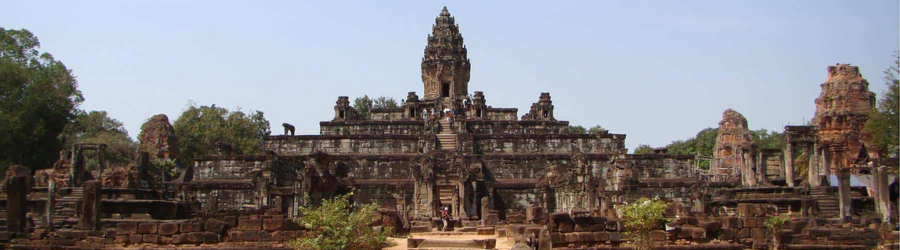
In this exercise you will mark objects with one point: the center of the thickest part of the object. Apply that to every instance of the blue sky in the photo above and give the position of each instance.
(657, 71)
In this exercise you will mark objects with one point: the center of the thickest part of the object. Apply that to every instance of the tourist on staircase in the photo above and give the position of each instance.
(445, 218)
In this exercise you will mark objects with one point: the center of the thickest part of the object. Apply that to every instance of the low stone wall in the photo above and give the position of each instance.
(352, 144)
(373, 127)
(548, 143)
(516, 127)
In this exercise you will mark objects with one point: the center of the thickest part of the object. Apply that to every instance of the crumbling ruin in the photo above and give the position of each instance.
(525, 178)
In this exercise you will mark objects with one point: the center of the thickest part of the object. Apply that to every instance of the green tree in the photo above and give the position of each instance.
(363, 105)
(642, 217)
(98, 127)
(702, 144)
(577, 129)
(38, 99)
(333, 226)
(882, 126)
(383, 102)
(643, 149)
(200, 128)
(766, 139)
(595, 129)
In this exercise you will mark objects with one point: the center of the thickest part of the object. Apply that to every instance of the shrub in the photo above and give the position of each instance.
(640, 218)
(333, 226)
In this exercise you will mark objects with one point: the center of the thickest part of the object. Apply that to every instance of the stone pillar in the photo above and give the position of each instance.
(16, 204)
(76, 169)
(844, 193)
(789, 164)
(813, 171)
(51, 197)
(882, 189)
(90, 206)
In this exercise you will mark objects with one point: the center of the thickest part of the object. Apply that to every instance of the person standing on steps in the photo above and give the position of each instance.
(445, 218)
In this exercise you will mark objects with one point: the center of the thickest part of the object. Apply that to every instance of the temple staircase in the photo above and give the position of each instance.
(446, 137)
(828, 204)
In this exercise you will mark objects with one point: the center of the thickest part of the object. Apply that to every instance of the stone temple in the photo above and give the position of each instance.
(501, 175)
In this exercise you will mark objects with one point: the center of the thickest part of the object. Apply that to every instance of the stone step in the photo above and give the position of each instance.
(448, 244)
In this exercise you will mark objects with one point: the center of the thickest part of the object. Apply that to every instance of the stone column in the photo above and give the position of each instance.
(882, 189)
(76, 169)
(813, 171)
(16, 204)
(51, 196)
(844, 193)
(789, 164)
(90, 206)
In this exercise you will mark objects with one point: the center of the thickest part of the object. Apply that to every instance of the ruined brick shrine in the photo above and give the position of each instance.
(501, 175)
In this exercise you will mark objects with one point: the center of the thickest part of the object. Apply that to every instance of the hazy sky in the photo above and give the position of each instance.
(657, 71)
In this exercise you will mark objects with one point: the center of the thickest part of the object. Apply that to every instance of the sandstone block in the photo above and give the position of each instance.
(751, 222)
(290, 224)
(168, 229)
(209, 237)
(190, 227)
(232, 221)
(658, 235)
(726, 234)
(135, 238)
(123, 228)
(150, 238)
(273, 224)
(121, 239)
(731, 222)
(265, 236)
(585, 237)
(147, 228)
(215, 226)
(758, 233)
(249, 224)
(615, 236)
(743, 233)
(601, 236)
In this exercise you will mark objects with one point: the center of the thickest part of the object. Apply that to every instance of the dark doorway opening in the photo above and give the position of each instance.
(445, 89)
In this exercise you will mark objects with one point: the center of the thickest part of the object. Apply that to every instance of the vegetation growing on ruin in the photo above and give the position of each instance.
(199, 128)
(364, 105)
(335, 224)
(643, 149)
(641, 217)
(578, 129)
(882, 126)
(98, 127)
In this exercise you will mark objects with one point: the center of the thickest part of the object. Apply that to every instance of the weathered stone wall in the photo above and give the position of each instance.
(387, 115)
(516, 127)
(372, 128)
(228, 167)
(353, 144)
(503, 114)
(551, 143)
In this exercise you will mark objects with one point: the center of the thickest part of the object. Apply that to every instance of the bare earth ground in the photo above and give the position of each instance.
(503, 243)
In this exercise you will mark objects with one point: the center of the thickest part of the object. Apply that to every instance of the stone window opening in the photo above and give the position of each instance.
(478, 112)
(341, 114)
(545, 113)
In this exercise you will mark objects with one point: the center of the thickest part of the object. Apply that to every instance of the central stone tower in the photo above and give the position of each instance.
(445, 67)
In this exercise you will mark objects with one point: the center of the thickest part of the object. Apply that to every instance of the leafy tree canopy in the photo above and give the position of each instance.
(364, 105)
(882, 126)
(766, 139)
(200, 128)
(38, 98)
(578, 129)
(97, 127)
(643, 149)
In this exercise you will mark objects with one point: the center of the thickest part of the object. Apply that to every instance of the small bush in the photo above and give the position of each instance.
(333, 226)
(640, 218)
